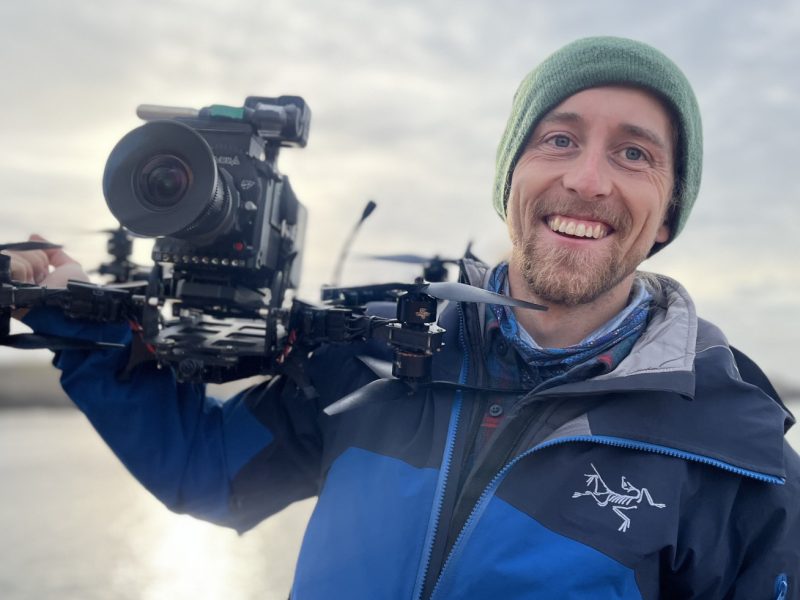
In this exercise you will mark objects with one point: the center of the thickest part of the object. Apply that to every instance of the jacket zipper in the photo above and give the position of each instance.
(488, 492)
(444, 472)
(781, 587)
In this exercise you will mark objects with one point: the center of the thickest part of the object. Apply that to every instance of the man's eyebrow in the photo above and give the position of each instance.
(562, 117)
(645, 134)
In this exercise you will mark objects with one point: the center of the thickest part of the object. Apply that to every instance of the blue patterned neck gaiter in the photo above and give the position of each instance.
(599, 353)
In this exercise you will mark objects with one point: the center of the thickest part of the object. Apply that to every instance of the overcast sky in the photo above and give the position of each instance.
(409, 100)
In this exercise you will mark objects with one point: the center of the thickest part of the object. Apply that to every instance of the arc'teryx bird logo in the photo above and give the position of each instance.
(620, 502)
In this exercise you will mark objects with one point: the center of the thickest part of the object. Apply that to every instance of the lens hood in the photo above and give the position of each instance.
(132, 154)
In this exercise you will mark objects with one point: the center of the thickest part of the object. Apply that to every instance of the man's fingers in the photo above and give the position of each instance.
(30, 266)
(21, 270)
(56, 256)
(34, 266)
(39, 260)
(64, 266)
(39, 263)
(59, 258)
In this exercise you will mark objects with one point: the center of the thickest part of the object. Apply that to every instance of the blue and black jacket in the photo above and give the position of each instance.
(668, 477)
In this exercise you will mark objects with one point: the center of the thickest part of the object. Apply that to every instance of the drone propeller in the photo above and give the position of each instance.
(120, 247)
(381, 368)
(444, 290)
(434, 268)
(412, 259)
(24, 246)
(128, 285)
(33, 341)
(461, 292)
(380, 389)
(392, 388)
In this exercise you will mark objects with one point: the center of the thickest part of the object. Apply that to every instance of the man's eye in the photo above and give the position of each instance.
(633, 154)
(561, 141)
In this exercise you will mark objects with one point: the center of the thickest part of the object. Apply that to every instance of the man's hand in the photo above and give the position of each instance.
(47, 268)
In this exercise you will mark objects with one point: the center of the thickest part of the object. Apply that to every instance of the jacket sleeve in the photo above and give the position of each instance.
(770, 565)
(232, 463)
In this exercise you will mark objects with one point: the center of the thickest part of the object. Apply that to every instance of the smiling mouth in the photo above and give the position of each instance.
(577, 228)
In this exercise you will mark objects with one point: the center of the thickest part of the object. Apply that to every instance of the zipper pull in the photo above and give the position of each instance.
(781, 587)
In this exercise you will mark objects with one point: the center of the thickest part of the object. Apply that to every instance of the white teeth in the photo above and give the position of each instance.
(578, 230)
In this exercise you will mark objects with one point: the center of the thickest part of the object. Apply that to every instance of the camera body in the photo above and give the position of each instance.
(205, 184)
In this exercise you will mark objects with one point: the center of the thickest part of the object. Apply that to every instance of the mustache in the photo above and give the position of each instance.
(597, 210)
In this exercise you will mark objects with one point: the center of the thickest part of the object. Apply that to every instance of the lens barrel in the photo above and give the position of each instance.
(161, 179)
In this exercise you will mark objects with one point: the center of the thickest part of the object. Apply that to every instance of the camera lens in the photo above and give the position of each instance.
(163, 181)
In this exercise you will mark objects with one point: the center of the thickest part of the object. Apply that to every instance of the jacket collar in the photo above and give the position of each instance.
(680, 387)
(663, 356)
(685, 392)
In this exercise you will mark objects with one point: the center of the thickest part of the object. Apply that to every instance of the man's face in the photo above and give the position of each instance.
(590, 192)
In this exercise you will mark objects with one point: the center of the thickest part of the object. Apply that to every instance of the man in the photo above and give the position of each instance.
(619, 448)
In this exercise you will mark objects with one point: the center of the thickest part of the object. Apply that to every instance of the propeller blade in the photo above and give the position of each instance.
(128, 285)
(381, 368)
(461, 292)
(445, 290)
(413, 259)
(32, 341)
(380, 389)
(392, 389)
(23, 246)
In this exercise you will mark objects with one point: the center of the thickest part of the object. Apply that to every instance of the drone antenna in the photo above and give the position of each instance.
(337, 272)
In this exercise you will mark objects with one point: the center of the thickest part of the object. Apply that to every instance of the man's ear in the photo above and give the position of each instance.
(662, 235)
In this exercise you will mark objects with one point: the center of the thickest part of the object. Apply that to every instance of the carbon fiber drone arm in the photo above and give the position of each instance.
(78, 300)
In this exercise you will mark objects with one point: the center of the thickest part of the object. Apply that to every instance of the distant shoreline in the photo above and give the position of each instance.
(36, 385)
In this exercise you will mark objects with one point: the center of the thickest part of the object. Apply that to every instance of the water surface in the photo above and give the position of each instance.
(75, 525)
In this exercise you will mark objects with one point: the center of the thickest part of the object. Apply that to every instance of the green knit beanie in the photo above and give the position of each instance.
(597, 61)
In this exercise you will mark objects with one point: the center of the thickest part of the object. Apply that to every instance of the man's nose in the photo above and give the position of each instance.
(588, 175)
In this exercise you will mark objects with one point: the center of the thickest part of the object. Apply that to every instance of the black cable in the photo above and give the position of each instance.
(337, 271)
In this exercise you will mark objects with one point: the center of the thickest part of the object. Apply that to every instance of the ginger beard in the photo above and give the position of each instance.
(573, 275)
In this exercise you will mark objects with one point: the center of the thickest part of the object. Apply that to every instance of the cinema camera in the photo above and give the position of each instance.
(206, 185)
(229, 233)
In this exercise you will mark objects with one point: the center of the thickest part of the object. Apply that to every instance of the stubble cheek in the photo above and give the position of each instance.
(663, 182)
(513, 217)
(661, 186)
(522, 215)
